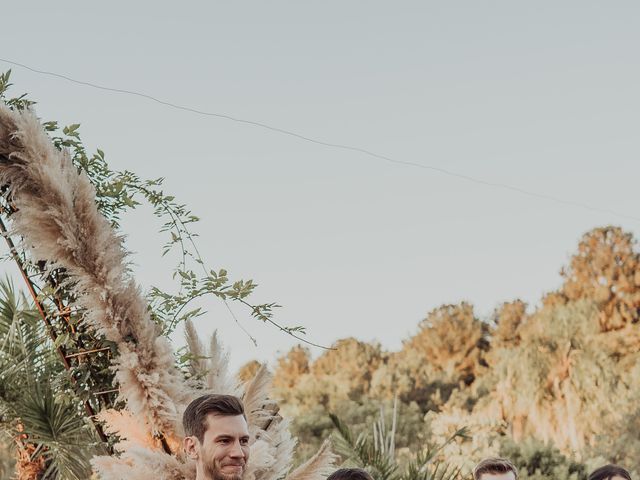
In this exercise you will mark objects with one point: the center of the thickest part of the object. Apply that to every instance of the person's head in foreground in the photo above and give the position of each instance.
(350, 474)
(610, 472)
(217, 437)
(495, 469)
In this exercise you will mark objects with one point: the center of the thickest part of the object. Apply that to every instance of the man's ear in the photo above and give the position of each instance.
(191, 447)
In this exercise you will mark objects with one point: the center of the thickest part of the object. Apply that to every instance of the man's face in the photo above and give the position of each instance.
(224, 451)
(498, 476)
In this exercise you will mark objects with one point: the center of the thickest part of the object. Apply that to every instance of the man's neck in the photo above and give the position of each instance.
(201, 474)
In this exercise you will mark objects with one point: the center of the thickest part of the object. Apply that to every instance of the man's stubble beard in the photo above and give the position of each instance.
(214, 473)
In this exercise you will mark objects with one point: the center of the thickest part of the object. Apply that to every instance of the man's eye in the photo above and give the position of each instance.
(244, 441)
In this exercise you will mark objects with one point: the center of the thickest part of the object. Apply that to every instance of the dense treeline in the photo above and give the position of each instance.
(555, 387)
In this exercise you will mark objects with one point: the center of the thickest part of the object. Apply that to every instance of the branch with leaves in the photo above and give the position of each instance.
(117, 192)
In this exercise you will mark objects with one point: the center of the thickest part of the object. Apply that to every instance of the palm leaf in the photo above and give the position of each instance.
(60, 432)
(376, 453)
(363, 452)
(30, 396)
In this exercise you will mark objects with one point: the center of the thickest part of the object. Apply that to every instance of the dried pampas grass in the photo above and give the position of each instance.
(60, 223)
(256, 398)
(198, 357)
(210, 370)
(219, 377)
(58, 220)
(317, 467)
(260, 459)
(143, 464)
(130, 430)
(282, 445)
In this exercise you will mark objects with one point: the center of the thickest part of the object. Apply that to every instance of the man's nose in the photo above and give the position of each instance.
(236, 450)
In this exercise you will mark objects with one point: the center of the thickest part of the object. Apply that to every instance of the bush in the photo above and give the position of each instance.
(538, 461)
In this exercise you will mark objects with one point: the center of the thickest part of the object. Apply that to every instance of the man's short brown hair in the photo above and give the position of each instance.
(609, 471)
(494, 465)
(350, 474)
(195, 416)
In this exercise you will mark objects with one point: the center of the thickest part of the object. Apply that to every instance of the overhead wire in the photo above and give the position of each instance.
(352, 148)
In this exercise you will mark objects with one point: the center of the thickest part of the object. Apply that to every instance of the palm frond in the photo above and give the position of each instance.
(50, 422)
(22, 336)
(59, 431)
(363, 452)
(376, 453)
(427, 466)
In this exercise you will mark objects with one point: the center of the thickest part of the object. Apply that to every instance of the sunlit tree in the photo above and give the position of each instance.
(606, 269)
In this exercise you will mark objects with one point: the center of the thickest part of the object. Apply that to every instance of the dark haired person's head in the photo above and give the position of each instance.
(217, 437)
(494, 468)
(350, 474)
(610, 472)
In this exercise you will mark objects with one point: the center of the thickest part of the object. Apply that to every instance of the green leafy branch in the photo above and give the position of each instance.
(19, 103)
(118, 192)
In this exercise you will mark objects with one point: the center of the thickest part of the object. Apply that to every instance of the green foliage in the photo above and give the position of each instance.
(48, 404)
(60, 432)
(537, 461)
(315, 425)
(118, 192)
(563, 375)
(375, 451)
(31, 409)
(20, 102)
(621, 440)
(556, 381)
(536, 386)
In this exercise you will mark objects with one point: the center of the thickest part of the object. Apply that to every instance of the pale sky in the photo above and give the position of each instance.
(541, 96)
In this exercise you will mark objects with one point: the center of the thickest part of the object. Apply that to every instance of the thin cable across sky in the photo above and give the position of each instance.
(340, 146)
